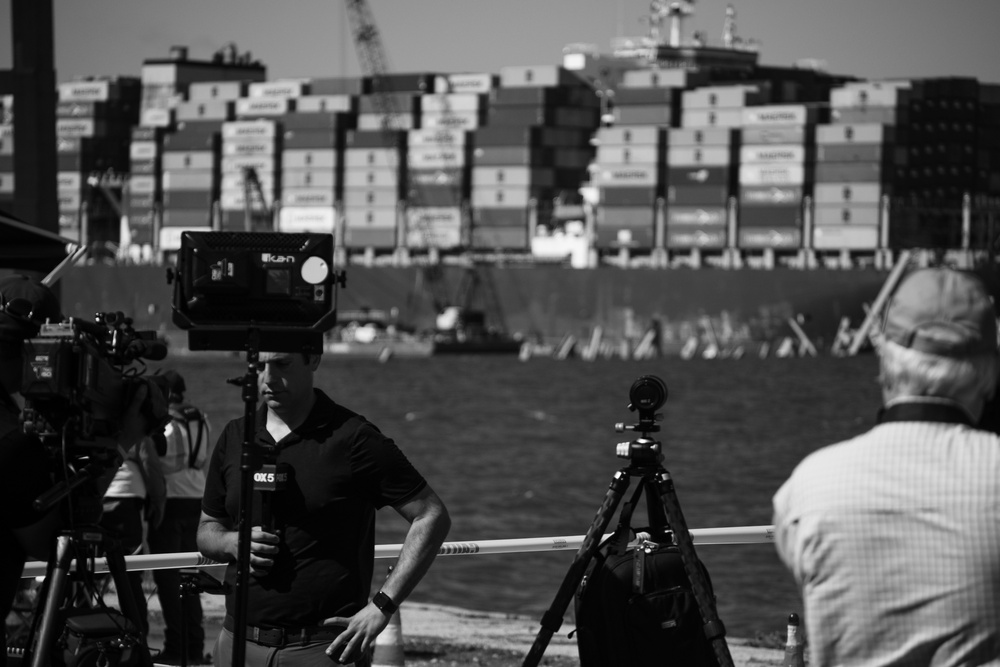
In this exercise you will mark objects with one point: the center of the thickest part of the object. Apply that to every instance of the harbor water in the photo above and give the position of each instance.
(527, 449)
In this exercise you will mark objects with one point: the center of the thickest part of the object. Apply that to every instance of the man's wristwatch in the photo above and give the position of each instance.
(385, 603)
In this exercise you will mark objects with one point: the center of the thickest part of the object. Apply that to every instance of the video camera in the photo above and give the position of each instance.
(78, 379)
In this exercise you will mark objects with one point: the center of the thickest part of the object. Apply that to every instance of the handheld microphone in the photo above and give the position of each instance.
(271, 479)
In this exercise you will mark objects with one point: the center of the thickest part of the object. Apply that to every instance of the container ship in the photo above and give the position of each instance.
(741, 194)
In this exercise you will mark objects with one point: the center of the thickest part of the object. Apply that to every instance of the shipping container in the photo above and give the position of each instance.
(178, 160)
(356, 198)
(701, 176)
(732, 118)
(631, 176)
(845, 237)
(629, 154)
(538, 75)
(628, 136)
(685, 238)
(253, 107)
(696, 215)
(775, 215)
(294, 196)
(370, 217)
(771, 195)
(307, 219)
(862, 133)
(775, 238)
(698, 195)
(326, 104)
(500, 176)
(628, 196)
(459, 120)
(780, 134)
(309, 178)
(775, 174)
(308, 158)
(853, 214)
(847, 193)
(697, 156)
(309, 139)
(221, 110)
(708, 136)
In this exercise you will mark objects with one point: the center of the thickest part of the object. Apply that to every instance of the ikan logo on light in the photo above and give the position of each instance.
(268, 258)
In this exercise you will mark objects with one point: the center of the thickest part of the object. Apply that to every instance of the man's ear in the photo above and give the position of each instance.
(314, 360)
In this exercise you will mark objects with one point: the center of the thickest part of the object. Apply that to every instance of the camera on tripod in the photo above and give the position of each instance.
(647, 395)
(79, 379)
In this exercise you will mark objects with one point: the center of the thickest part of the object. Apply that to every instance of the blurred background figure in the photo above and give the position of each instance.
(184, 452)
(133, 503)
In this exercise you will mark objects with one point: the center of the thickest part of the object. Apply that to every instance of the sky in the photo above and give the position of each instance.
(871, 39)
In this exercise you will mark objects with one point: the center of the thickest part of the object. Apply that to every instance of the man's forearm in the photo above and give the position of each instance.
(217, 542)
(420, 548)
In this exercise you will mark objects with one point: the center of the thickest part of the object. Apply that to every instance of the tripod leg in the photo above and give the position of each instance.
(714, 630)
(126, 596)
(553, 618)
(53, 601)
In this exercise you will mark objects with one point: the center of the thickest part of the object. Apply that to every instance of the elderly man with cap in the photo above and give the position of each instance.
(894, 536)
(26, 304)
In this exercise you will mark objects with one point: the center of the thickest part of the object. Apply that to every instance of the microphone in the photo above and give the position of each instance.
(271, 479)
(154, 350)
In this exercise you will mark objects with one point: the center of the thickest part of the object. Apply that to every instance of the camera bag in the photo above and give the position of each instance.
(635, 606)
(102, 637)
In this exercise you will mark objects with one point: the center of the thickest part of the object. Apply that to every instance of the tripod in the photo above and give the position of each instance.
(120, 633)
(645, 461)
(83, 544)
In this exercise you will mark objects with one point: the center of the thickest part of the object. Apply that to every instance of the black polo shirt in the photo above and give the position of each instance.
(342, 469)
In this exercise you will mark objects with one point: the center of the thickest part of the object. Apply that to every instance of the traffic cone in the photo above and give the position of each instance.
(794, 648)
(389, 644)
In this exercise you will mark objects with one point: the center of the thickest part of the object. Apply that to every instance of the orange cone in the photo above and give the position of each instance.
(389, 644)
(794, 648)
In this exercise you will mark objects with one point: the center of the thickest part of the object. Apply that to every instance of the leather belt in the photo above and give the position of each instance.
(280, 637)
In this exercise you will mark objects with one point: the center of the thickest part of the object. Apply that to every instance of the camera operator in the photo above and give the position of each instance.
(25, 304)
(310, 573)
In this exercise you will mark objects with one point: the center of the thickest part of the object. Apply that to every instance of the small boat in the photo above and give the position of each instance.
(376, 334)
(464, 331)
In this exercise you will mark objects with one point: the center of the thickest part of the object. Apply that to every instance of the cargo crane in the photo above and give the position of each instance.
(475, 285)
(253, 194)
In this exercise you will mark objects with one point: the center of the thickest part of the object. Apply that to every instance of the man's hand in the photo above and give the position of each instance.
(263, 549)
(358, 639)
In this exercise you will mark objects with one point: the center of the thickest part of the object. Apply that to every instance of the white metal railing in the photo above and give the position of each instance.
(700, 536)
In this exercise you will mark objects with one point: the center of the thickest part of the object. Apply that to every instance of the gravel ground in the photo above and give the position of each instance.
(451, 636)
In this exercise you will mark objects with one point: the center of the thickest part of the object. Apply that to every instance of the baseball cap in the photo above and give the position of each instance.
(944, 312)
(175, 382)
(25, 304)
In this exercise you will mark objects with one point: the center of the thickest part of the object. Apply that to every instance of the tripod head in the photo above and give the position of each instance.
(647, 395)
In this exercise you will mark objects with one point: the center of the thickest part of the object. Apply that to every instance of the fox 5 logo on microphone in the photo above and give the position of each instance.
(271, 477)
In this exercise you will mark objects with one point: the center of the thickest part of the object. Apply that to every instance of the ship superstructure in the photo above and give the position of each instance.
(670, 150)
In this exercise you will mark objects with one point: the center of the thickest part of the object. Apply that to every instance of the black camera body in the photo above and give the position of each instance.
(78, 378)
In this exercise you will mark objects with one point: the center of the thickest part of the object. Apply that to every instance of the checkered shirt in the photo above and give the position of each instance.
(894, 540)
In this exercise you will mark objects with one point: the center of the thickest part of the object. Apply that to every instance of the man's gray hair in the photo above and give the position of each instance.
(907, 372)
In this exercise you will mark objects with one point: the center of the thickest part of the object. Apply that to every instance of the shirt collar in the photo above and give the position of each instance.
(924, 409)
(319, 416)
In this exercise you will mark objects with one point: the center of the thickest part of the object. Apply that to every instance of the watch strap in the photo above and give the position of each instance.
(385, 603)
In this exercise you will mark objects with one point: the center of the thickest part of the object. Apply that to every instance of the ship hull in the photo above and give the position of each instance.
(546, 304)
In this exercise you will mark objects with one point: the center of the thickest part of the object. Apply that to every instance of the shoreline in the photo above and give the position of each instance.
(446, 635)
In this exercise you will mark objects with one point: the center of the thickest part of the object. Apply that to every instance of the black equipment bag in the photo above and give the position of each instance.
(101, 637)
(635, 606)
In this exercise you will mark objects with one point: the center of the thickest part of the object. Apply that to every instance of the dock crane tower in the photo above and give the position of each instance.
(374, 64)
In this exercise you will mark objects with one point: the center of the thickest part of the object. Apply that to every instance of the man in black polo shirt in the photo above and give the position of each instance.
(310, 578)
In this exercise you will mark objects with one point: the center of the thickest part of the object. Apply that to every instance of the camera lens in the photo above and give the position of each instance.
(648, 393)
